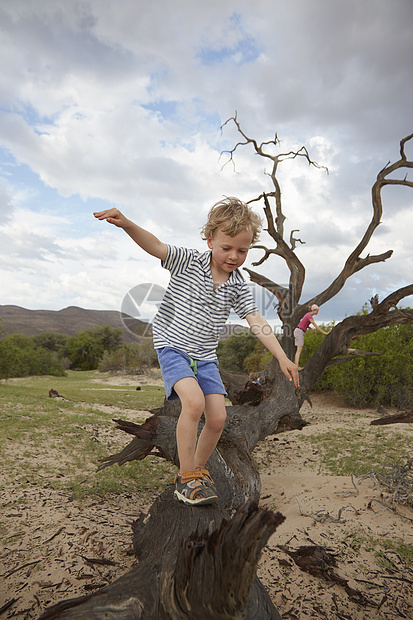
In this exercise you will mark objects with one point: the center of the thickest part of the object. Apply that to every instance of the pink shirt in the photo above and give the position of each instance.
(305, 321)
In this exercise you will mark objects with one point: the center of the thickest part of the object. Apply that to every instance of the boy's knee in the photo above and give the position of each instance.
(217, 421)
(194, 405)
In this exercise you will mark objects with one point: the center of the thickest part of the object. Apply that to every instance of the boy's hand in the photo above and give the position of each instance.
(290, 370)
(113, 216)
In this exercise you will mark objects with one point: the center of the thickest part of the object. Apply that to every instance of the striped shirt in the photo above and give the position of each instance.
(192, 313)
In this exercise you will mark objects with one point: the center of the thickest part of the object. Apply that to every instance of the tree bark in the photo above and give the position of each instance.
(194, 563)
(177, 545)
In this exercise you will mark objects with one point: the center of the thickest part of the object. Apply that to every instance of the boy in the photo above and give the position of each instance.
(203, 289)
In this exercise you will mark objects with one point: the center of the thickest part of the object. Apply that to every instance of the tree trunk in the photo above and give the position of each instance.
(231, 465)
(197, 562)
(194, 563)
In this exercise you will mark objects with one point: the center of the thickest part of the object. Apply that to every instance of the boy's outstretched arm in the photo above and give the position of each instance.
(146, 240)
(264, 332)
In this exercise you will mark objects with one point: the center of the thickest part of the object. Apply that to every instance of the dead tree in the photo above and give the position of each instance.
(178, 545)
(195, 562)
(290, 308)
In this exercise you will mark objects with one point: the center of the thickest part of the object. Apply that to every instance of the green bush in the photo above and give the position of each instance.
(371, 381)
(85, 350)
(130, 359)
(259, 359)
(19, 357)
(51, 341)
(52, 354)
(232, 351)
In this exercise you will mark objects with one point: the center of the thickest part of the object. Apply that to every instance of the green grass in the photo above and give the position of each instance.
(49, 442)
(387, 552)
(60, 443)
(78, 386)
(401, 548)
(345, 451)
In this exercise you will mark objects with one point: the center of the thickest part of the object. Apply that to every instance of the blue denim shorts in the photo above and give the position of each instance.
(175, 365)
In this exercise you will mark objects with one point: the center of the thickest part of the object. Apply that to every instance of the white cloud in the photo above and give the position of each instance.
(121, 103)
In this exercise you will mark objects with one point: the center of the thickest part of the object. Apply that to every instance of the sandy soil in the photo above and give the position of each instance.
(330, 512)
(53, 542)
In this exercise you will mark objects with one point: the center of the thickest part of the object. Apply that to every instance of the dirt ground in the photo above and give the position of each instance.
(57, 548)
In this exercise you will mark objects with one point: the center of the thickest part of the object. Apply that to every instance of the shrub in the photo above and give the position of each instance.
(85, 350)
(232, 351)
(371, 381)
(130, 359)
(259, 359)
(51, 341)
(19, 357)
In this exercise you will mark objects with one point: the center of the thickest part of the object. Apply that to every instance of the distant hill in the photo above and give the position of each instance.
(73, 320)
(68, 321)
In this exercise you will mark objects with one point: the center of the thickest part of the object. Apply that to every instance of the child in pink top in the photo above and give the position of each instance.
(302, 327)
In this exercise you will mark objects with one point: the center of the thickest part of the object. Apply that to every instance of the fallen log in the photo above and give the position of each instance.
(194, 562)
(405, 416)
(318, 561)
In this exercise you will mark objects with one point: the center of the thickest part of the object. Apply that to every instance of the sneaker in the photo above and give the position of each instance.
(190, 489)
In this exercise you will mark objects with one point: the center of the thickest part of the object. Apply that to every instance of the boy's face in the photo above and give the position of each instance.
(229, 253)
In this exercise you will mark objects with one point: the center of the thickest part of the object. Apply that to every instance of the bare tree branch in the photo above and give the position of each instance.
(267, 253)
(392, 300)
(354, 262)
(279, 291)
(276, 159)
(297, 270)
(290, 310)
(294, 241)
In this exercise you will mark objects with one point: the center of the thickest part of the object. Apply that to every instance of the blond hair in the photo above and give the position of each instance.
(232, 216)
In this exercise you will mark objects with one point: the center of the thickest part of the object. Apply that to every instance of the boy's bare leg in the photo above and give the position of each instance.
(215, 416)
(193, 404)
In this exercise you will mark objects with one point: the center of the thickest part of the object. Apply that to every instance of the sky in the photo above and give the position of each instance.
(121, 103)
